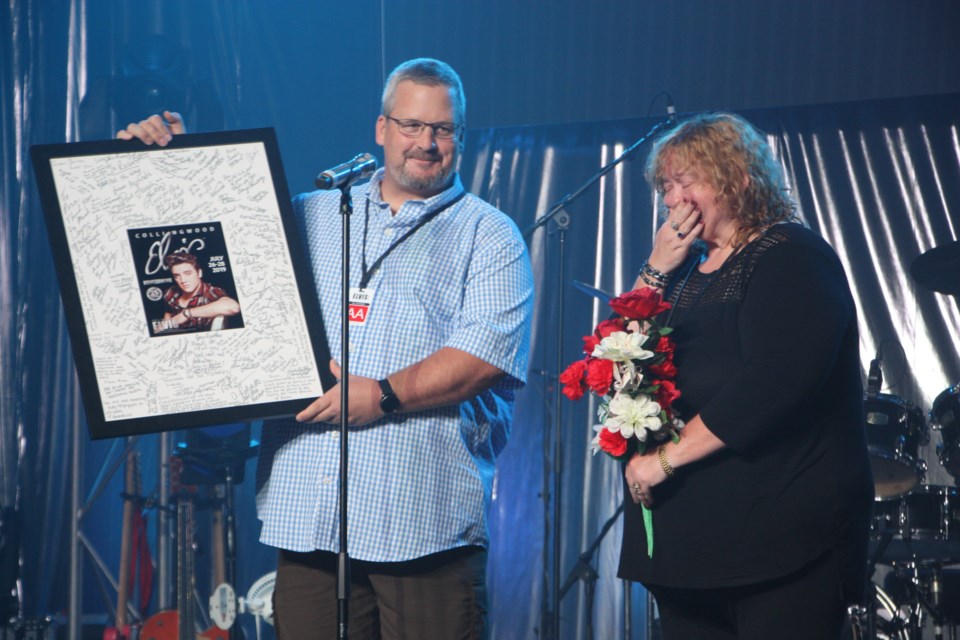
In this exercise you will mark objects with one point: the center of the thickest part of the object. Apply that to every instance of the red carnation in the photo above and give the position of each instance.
(665, 369)
(667, 393)
(613, 443)
(639, 304)
(607, 327)
(665, 345)
(590, 343)
(572, 380)
(599, 375)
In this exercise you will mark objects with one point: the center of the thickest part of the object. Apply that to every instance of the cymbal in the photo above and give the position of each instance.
(939, 269)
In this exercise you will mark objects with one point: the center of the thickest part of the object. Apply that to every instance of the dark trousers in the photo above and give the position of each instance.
(438, 597)
(805, 605)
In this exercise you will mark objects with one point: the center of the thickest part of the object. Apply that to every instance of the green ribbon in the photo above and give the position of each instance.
(648, 528)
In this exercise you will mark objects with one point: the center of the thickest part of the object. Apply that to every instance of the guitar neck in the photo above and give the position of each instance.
(186, 629)
(129, 487)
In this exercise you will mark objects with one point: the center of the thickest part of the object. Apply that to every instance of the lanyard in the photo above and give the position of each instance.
(368, 271)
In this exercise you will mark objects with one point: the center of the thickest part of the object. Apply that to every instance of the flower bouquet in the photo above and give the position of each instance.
(629, 366)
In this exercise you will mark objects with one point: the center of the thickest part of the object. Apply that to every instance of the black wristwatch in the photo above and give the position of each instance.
(389, 402)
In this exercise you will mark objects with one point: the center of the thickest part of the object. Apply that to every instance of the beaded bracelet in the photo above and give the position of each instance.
(648, 274)
(650, 283)
(657, 275)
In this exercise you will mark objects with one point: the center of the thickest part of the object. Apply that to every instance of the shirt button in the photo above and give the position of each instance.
(388, 232)
(334, 434)
(327, 480)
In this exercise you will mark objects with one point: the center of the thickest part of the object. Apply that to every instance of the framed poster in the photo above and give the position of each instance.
(187, 292)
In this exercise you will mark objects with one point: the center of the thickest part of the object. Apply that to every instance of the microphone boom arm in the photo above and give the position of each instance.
(570, 197)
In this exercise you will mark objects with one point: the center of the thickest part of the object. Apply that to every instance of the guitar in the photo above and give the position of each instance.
(131, 488)
(179, 624)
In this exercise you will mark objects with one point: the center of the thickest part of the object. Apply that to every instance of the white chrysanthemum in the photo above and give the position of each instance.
(621, 346)
(595, 443)
(633, 416)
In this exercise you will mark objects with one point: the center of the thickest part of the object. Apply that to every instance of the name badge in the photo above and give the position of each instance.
(360, 302)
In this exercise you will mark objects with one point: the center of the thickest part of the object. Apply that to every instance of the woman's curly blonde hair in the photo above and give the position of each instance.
(722, 149)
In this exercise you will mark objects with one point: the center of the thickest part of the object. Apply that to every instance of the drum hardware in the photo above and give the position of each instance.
(856, 615)
(895, 430)
(880, 620)
(919, 589)
(945, 418)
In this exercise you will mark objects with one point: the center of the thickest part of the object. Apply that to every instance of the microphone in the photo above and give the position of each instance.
(875, 376)
(344, 175)
(671, 110)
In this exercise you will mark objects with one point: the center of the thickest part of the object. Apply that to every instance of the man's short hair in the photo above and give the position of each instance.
(426, 71)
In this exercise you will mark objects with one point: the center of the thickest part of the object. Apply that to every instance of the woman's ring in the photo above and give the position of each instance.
(674, 225)
(681, 235)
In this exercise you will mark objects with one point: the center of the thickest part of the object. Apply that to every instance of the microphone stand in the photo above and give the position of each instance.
(550, 615)
(583, 570)
(343, 559)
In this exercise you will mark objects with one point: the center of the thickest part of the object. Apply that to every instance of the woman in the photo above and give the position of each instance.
(761, 510)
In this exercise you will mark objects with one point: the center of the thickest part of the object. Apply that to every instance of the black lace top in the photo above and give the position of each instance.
(768, 356)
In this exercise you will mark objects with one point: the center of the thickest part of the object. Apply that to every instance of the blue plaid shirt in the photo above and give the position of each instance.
(419, 483)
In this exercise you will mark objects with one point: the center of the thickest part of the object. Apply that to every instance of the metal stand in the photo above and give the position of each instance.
(76, 566)
(343, 559)
(220, 462)
(584, 571)
(165, 524)
(82, 544)
(550, 607)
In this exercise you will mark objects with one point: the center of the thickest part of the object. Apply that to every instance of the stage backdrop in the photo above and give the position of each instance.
(880, 180)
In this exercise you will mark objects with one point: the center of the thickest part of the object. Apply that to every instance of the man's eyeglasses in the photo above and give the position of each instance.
(413, 128)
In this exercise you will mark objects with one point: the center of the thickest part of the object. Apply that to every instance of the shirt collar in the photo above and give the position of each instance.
(421, 207)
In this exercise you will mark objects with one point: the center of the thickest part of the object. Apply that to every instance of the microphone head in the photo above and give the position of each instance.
(360, 168)
(671, 110)
(364, 165)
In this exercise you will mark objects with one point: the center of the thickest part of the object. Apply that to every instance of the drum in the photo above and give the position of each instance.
(945, 416)
(922, 526)
(895, 430)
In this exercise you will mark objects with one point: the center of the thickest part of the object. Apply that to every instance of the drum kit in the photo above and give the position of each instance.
(915, 530)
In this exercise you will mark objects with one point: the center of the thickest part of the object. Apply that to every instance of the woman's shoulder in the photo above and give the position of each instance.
(791, 251)
(790, 238)
(785, 248)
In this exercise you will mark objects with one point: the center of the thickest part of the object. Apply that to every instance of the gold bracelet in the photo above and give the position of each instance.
(664, 463)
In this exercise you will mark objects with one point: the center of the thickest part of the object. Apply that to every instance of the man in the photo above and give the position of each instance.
(437, 358)
(191, 302)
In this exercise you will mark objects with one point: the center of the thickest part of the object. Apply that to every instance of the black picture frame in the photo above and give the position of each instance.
(115, 212)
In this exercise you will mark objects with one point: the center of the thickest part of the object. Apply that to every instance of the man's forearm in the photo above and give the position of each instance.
(448, 376)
